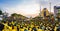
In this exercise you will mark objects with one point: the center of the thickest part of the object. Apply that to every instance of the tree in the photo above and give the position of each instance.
(0, 12)
(14, 14)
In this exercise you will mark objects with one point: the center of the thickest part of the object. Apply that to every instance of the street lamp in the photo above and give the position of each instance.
(50, 8)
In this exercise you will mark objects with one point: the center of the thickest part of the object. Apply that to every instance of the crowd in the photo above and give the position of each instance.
(41, 26)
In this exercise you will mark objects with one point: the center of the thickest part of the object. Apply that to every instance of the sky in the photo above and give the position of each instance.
(27, 7)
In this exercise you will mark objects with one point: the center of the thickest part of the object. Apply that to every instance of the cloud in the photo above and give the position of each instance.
(23, 9)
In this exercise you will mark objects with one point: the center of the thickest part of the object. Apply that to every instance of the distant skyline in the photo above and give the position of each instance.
(27, 7)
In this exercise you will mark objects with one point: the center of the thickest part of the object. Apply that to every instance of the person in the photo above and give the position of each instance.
(34, 29)
(17, 28)
(43, 27)
(29, 29)
(21, 29)
(39, 29)
(13, 28)
(52, 29)
(25, 30)
(1, 27)
(5, 28)
(58, 29)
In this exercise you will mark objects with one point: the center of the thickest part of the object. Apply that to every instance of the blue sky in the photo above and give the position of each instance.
(26, 7)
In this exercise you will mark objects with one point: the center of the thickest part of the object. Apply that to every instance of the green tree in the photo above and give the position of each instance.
(0, 12)
(14, 14)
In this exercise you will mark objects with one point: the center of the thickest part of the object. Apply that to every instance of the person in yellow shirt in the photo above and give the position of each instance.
(5, 28)
(55, 29)
(26, 27)
(39, 29)
(18, 27)
(12, 28)
(21, 29)
(29, 29)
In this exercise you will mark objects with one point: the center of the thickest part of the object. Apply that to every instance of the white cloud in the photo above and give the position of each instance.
(24, 9)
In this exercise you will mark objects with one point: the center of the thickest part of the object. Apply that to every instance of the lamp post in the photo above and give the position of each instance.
(40, 12)
(50, 8)
(40, 9)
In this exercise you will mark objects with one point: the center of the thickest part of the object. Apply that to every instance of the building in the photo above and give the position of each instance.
(56, 10)
(44, 12)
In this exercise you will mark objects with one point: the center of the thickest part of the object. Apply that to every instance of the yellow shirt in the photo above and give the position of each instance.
(10, 28)
(5, 30)
(30, 29)
(32, 26)
(55, 28)
(14, 30)
(39, 30)
(21, 30)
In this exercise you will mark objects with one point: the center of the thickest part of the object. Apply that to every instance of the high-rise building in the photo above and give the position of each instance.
(56, 10)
